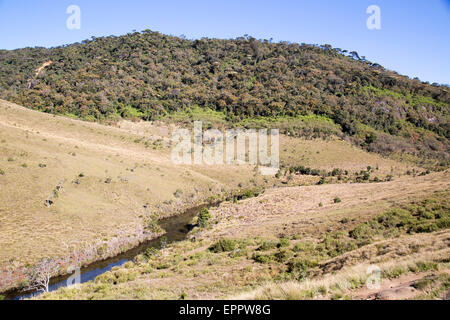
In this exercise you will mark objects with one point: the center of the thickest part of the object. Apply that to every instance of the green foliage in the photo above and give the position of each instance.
(283, 255)
(303, 247)
(429, 215)
(151, 252)
(307, 90)
(301, 265)
(283, 242)
(203, 218)
(153, 225)
(267, 245)
(261, 258)
(335, 244)
(224, 245)
(337, 200)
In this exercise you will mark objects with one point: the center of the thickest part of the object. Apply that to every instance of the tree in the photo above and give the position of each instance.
(41, 274)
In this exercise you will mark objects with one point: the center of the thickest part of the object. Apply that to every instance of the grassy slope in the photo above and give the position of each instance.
(92, 211)
(38, 151)
(189, 269)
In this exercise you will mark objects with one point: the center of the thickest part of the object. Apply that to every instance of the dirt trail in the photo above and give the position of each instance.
(44, 65)
(393, 289)
(300, 209)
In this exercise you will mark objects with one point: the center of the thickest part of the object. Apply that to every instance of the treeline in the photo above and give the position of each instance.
(147, 75)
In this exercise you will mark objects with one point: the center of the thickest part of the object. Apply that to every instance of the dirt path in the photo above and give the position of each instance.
(393, 289)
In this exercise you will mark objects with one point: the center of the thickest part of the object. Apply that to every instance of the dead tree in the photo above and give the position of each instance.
(41, 274)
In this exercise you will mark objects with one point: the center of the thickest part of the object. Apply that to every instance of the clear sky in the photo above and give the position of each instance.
(414, 38)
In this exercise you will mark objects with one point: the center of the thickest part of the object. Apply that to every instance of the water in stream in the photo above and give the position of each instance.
(176, 227)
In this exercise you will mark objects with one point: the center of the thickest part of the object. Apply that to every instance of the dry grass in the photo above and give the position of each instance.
(127, 176)
(191, 269)
(119, 178)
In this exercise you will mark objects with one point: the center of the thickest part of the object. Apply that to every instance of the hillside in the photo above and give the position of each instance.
(152, 76)
(86, 172)
(298, 243)
(73, 190)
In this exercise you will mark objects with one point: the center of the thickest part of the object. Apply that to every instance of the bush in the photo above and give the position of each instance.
(223, 245)
(267, 245)
(364, 233)
(335, 244)
(238, 253)
(337, 200)
(2, 173)
(303, 247)
(153, 226)
(284, 242)
(321, 181)
(371, 138)
(261, 258)
(203, 218)
(283, 255)
(301, 265)
(150, 252)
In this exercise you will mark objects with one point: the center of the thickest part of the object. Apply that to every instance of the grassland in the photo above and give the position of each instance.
(300, 243)
(77, 192)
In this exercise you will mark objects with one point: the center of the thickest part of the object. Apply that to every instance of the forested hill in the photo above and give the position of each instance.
(148, 74)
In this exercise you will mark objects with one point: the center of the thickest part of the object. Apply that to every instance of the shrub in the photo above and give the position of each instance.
(267, 245)
(239, 252)
(364, 233)
(371, 138)
(321, 181)
(426, 266)
(153, 226)
(150, 252)
(203, 218)
(261, 258)
(303, 247)
(337, 200)
(183, 296)
(284, 242)
(301, 264)
(335, 244)
(2, 173)
(283, 255)
(223, 245)
(248, 194)
(163, 266)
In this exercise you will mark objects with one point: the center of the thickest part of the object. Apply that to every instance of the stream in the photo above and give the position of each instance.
(176, 227)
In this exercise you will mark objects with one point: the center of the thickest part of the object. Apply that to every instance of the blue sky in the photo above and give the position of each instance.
(414, 38)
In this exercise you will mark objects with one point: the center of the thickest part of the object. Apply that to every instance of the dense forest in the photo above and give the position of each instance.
(149, 75)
